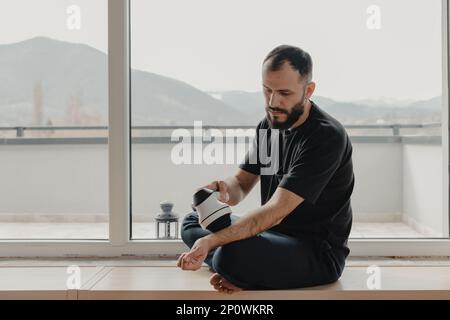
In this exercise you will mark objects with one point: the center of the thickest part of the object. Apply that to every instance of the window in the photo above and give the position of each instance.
(378, 70)
(193, 67)
(53, 119)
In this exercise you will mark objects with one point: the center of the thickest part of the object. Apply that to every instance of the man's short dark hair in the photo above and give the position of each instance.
(299, 60)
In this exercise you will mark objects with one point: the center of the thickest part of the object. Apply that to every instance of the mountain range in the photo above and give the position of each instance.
(71, 81)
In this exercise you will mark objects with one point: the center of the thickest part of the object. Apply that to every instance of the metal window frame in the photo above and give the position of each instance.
(120, 242)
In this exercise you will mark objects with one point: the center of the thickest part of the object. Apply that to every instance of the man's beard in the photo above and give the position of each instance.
(292, 116)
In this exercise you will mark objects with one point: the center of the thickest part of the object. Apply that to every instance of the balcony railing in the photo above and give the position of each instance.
(20, 130)
(398, 177)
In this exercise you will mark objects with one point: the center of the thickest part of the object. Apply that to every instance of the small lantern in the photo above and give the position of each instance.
(169, 221)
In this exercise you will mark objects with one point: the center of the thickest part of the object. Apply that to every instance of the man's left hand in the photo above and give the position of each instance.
(193, 259)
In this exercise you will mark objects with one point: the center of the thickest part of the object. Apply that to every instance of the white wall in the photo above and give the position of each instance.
(422, 197)
(71, 181)
(378, 181)
(156, 178)
(53, 179)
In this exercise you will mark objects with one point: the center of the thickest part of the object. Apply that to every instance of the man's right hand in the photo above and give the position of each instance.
(222, 187)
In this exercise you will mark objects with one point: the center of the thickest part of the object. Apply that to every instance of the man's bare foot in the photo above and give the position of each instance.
(223, 285)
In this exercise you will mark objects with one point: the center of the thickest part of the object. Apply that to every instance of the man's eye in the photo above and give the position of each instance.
(285, 93)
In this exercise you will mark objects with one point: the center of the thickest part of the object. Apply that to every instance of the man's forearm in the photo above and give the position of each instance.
(234, 190)
(248, 226)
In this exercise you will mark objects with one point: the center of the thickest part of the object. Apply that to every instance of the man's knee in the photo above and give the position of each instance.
(230, 261)
(189, 221)
(227, 258)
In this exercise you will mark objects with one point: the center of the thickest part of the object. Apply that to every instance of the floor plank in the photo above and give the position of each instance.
(140, 279)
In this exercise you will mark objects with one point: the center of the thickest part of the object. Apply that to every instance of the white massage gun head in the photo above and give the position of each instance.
(213, 214)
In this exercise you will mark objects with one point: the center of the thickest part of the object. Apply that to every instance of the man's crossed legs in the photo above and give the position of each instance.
(270, 260)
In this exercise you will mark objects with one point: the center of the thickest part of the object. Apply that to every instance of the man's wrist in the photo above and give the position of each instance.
(212, 241)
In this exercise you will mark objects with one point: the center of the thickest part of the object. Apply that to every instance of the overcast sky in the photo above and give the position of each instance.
(219, 45)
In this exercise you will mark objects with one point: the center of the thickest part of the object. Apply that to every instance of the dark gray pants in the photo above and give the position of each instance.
(270, 260)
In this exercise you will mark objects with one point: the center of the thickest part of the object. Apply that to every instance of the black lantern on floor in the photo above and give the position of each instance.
(168, 220)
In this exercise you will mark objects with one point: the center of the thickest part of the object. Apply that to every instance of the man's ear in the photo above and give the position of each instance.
(310, 87)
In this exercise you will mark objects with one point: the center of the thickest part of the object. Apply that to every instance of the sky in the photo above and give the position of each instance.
(219, 45)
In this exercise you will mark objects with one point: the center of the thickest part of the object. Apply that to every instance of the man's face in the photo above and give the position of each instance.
(284, 91)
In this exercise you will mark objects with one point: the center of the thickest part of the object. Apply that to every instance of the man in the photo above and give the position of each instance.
(298, 237)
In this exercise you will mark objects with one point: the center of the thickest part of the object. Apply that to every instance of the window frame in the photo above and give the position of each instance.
(119, 143)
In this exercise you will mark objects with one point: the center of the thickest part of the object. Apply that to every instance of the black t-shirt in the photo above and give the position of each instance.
(315, 162)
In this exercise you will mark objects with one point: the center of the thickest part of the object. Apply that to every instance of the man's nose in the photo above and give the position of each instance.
(274, 101)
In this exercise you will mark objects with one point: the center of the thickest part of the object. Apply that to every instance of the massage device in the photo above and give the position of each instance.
(213, 214)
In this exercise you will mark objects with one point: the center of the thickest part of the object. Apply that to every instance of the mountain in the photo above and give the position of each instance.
(72, 76)
(357, 112)
(62, 70)
(384, 102)
(246, 102)
(430, 104)
(161, 100)
(48, 81)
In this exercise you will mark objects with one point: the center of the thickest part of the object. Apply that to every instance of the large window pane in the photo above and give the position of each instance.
(53, 91)
(378, 70)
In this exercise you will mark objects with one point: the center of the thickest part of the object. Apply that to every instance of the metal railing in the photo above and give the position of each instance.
(20, 130)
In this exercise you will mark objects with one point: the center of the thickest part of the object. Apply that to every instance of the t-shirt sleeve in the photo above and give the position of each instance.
(251, 161)
(314, 166)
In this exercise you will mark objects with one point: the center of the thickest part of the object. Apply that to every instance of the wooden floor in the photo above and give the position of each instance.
(162, 280)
